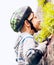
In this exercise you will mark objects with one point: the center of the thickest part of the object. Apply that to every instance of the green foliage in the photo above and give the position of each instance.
(47, 30)
(41, 2)
(47, 24)
(48, 11)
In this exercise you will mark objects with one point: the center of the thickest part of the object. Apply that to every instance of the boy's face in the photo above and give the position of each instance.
(35, 21)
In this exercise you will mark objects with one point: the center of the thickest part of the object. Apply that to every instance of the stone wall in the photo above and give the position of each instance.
(50, 52)
(49, 60)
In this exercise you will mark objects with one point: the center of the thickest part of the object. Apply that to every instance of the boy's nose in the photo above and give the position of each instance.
(39, 20)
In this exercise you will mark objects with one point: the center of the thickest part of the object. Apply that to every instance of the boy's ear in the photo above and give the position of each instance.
(27, 23)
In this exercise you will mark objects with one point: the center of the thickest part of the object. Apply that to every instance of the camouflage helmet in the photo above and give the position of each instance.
(18, 18)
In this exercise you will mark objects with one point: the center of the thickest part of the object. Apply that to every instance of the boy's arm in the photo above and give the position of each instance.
(34, 54)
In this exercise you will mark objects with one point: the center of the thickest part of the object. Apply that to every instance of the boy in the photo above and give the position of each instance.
(28, 51)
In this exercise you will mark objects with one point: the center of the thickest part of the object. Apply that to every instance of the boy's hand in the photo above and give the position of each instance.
(47, 41)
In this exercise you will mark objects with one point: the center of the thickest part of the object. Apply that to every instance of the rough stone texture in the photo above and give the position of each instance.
(49, 59)
(39, 13)
(50, 52)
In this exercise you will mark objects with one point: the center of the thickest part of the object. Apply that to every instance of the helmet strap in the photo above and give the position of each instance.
(32, 27)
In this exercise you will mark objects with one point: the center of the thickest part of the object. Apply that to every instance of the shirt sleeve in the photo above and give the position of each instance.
(28, 44)
(33, 54)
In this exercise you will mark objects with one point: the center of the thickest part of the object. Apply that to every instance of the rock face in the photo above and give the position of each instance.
(49, 59)
(39, 13)
(50, 52)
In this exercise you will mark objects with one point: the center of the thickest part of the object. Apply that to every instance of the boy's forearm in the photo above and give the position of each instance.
(34, 55)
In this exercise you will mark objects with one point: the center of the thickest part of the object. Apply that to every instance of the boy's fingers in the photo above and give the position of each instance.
(50, 36)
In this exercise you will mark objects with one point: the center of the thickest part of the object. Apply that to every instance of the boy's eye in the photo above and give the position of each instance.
(35, 17)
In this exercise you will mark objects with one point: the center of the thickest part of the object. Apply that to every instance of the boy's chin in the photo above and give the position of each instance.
(39, 28)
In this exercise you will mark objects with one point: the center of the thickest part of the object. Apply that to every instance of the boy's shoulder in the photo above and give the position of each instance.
(25, 34)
